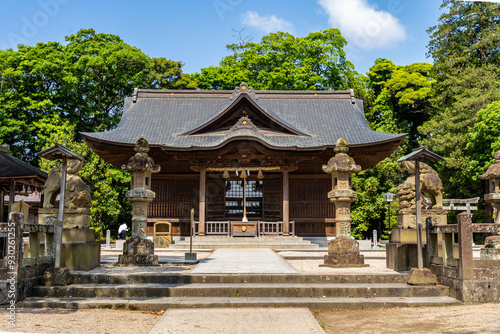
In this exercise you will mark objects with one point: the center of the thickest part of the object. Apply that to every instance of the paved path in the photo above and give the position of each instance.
(238, 321)
(243, 261)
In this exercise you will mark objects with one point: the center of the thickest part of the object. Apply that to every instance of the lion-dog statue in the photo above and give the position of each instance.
(77, 192)
(430, 184)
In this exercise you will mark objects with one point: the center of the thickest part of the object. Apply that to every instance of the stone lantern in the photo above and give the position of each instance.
(491, 250)
(138, 250)
(343, 251)
(492, 176)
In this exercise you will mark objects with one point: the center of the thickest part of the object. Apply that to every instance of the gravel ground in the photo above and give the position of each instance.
(80, 321)
(482, 318)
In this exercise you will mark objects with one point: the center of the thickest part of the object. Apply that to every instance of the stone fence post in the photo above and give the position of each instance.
(466, 262)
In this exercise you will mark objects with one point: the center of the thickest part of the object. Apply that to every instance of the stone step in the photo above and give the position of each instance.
(161, 304)
(240, 290)
(159, 278)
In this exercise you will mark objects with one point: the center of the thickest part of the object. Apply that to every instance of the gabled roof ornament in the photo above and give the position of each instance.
(244, 88)
(244, 123)
(134, 96)
(353, 99)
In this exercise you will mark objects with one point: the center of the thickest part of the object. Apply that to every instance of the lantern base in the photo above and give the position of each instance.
(343, 252)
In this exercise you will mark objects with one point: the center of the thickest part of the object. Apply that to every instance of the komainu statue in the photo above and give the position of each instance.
(430, 184)
(77, 192)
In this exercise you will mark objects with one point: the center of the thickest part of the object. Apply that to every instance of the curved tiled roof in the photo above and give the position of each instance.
(13, 167)
(164, 117)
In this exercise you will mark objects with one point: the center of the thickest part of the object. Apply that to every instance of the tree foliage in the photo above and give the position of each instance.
(401, 99)
(282, 61)
(465, 49)
(49, 92)
(397, 103)
(84, 82)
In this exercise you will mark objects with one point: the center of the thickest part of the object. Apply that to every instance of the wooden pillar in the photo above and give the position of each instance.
(12, 195)
(286, 212)
(1, 206)
(201, 215)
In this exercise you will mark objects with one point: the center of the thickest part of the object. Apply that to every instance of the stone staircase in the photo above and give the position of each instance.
(214, 242)
(156, 291)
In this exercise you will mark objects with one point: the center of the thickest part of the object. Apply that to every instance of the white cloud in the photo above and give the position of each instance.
(363, 25)
(267, 24)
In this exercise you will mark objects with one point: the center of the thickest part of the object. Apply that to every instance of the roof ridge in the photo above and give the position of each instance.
(230, 94)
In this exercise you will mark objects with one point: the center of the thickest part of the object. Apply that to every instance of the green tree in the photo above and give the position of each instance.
(108, 184)
(167, 74)
(401, 99)
(84, 82)
(398, 102)
(282, 61)
(49, 92)
(484, 140)
(465, 49)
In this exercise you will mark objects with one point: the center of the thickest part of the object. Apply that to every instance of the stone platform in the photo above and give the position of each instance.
(273, 242)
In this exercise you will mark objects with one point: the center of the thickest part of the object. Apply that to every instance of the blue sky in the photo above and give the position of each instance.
(196, 32)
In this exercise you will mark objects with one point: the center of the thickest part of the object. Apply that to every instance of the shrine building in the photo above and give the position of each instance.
(249, 162)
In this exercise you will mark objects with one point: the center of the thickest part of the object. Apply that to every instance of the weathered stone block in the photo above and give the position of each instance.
(421, 277)
(138, 252)
(138, 246)
(57, 277)
(490, 253)
(343, 252)
(137, 260)
(73, 218)
(407, 217)
(81, 255)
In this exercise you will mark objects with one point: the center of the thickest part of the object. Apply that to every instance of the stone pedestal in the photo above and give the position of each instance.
(407, 218)
(343, 252)
(138, 252)
(73, 218)
(491, 250)
(79, 250)
(407, 235)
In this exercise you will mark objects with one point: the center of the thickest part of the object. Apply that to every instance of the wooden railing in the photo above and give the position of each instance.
(224, 228)
(217, 228)
(273, 228)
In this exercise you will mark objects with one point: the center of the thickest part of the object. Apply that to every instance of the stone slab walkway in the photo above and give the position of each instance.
(241, 321)
(243, 261)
